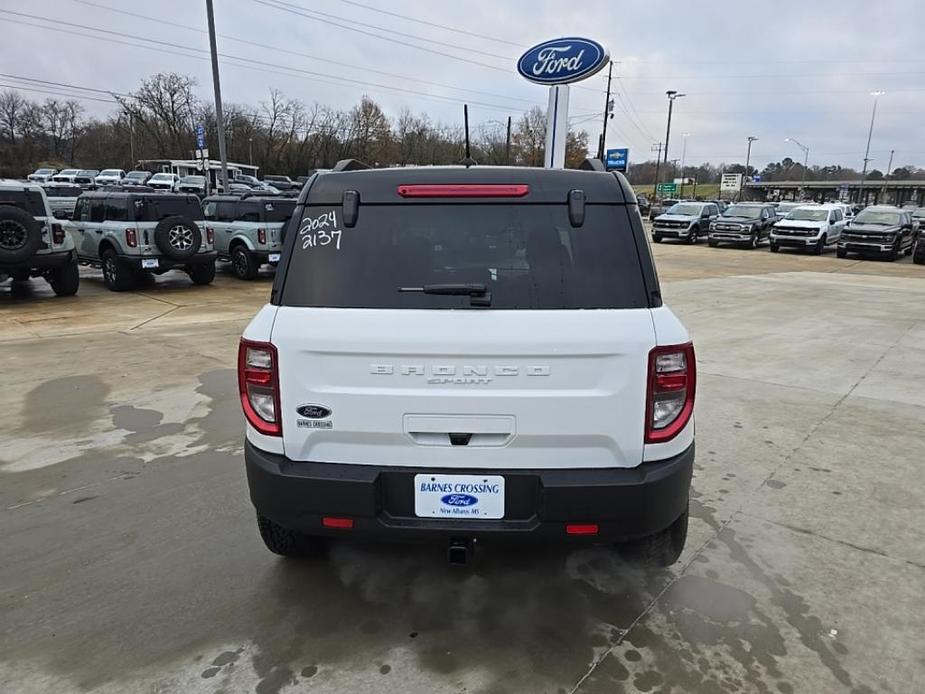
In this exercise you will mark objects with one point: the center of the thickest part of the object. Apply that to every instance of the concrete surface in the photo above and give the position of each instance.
(131, 562)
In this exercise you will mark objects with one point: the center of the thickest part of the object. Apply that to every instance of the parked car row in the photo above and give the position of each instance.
(131, 231)
(91, 178)
(877, 230)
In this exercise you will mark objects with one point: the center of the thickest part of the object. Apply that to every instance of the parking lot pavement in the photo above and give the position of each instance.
(131, 560)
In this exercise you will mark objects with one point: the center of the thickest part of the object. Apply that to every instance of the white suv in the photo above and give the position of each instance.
(810, 227)
(468, 354)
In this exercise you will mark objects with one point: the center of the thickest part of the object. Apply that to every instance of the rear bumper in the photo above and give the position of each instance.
(42, 261)
(625, 503)
(164, 263)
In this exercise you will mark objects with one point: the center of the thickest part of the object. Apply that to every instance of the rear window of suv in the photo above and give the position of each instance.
(29, 200)
(527, 256)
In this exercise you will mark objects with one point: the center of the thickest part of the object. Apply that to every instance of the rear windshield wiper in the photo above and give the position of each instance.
(477, 291)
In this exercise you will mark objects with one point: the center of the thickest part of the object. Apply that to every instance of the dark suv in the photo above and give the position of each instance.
(129, 234)
(744, 223)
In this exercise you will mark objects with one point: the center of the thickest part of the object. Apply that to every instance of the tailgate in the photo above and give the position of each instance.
(443, 388)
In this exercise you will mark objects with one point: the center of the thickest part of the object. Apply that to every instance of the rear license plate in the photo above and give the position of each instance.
(459, 496)
(274, 258)
(148, 263)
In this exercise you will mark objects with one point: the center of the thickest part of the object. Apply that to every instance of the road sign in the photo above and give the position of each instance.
(666, 189)
(731, 182)
(617, 159)
(200, 136)
(202, 154)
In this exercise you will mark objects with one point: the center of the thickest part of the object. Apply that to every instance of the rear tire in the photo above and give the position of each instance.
(65, 281)
(117, 276)
(661, 549)
(286, 542)
(244, 263)
(202, 274)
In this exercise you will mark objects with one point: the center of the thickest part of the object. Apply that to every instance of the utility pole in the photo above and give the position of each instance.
(131, 138)
(805, 162)
(889, 168)
(507, 144)
(870, 134)
(683, 156)
(748, 159)
(219, 119)
(672, 95)
(608, 109)
(658, 160)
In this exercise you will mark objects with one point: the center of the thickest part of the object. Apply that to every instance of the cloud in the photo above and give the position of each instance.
(801, 70)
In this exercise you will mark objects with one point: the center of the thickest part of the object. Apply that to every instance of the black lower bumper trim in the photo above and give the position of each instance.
(42, 261)
(164, 263)
(625, 503)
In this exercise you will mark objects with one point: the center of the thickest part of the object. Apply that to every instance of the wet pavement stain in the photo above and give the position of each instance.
(68, 404)
(385, 669)
(309, 671)
(776, 484)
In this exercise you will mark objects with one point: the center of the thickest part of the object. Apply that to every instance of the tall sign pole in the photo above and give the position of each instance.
(557, 64)
(556, 127)
(219, 118)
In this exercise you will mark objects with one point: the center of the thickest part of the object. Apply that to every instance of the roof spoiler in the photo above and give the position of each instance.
(590, 164)
(350, 165)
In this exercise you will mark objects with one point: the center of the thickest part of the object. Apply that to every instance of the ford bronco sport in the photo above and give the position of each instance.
(128, 234)
(468, 354)
(248, 230)
(32, 242)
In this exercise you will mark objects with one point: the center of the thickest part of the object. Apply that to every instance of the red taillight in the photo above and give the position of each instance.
(671, 386)
(57, 234)
(258, 385)
(262, 236)
(131, 238)
(465, 190)
(339, 523)
(581, 529)
(210, 235)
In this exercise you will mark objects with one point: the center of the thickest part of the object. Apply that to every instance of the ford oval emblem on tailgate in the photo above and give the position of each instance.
(314, 411)
(459, 500)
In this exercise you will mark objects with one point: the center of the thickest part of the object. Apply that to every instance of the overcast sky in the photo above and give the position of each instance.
(767, 69)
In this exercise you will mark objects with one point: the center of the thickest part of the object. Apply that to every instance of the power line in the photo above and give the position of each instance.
(54, 93)
(326, 18)
(302, 55)
(61, 84)
(431, 24)
(251, 61)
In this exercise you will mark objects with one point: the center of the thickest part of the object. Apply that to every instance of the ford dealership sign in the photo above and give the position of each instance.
(562, 61)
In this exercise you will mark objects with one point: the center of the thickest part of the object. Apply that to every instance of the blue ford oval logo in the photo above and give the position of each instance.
(458, 500)
(314, 411)
(561, 61)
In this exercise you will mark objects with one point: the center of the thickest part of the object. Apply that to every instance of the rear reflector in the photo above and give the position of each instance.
(581, 529)
(340, 523)
(465, 190)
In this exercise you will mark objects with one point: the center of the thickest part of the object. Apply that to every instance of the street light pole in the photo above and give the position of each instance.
(216, 83)
(748, 159)
(658, 160)
(870, 133)
(672, 95)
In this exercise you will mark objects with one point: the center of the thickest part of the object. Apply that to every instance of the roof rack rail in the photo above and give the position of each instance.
(590, 164)
(350, 165)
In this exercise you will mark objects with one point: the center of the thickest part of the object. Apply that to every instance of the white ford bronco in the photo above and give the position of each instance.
(468, 354)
